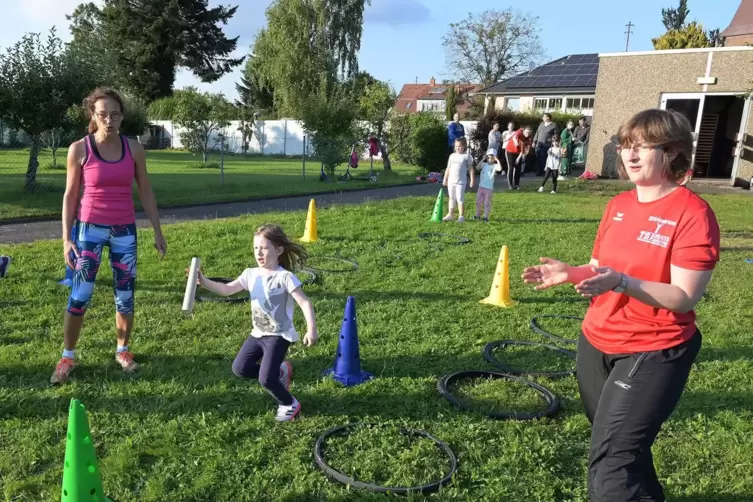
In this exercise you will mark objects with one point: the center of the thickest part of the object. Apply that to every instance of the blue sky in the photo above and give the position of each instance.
(402, 39)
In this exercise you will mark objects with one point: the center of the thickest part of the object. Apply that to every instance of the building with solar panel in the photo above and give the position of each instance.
(567, 84)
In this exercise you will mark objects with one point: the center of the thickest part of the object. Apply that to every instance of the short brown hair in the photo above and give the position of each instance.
(293, 255)
(462, 141)
(96, 95)
(667, 129)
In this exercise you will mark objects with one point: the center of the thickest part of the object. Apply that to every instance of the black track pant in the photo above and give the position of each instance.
(627, 399)
(553, 173)
(514, 168)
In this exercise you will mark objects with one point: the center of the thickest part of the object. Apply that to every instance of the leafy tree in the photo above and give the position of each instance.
(690, 36)
(39, 82)
(715, 38)
(450, 102)
(674, 19)
(491, 45)
(305, 46)
(142, 43)
(330, 122)
(375, 105)
(201, 114)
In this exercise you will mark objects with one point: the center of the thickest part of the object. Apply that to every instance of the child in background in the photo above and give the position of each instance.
(553, 162)
(458, 166)
(272, 288)
(486, 183)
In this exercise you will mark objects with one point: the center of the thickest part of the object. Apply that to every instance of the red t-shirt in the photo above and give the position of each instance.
(642, 240)
(523, 142)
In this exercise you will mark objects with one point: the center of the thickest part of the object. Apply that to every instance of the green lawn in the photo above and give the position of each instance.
(186, 429)
(178, 178)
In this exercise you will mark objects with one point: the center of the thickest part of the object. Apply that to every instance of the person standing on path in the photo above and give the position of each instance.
(542, 141)
(455, 130)
(566, 144)
(105, 163)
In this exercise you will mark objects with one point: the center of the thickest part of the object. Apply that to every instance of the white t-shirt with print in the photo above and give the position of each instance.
(271, 301)
(458, 165)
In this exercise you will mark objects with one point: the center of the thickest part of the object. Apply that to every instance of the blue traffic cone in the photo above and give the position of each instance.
(347, 368)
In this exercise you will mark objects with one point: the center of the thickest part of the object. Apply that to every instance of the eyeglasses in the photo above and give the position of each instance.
(638, 148)
(115, 116)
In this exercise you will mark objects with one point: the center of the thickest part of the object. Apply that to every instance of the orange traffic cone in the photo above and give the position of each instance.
(500, 292)
(310, 233)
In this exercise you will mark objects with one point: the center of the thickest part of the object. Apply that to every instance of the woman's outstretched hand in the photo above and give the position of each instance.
(550, 273)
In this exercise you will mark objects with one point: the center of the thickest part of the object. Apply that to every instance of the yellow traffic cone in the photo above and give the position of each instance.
(310, 234)
(500, 292)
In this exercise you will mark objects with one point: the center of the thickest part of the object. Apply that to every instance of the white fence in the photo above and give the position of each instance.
(271, 137)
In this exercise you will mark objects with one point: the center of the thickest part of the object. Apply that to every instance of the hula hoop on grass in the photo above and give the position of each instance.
(350, 482)
(552, 402)
(353, 264)
(460, 239)
(489, 356)
(541, 331)
(313, 277)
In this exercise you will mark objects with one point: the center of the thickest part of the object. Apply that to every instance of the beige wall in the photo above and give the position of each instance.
(631, 83)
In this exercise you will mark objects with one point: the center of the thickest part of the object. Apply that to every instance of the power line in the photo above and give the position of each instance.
(629, 26)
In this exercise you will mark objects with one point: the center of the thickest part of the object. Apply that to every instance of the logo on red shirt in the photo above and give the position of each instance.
(656, 238)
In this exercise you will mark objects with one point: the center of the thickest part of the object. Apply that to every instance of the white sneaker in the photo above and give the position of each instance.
(553, 192)
(461, 219)
(447, 218)
(286, 374)
(288, 413)
(541, 189)
(561, 178)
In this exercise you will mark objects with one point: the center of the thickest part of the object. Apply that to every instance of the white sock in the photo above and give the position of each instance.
(69, 354)
(122, 349)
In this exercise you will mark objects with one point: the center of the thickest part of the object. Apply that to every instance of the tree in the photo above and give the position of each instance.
(674, 19)
(201, 114)
(329, 119)
(305, 46)
(491, 45)
(145, 41)
(690, 36)
(374, 108)
(253, 91)
(39, 82)
(450, 102)
(715, 38)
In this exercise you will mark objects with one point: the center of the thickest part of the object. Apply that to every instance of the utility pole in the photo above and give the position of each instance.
(629, 26)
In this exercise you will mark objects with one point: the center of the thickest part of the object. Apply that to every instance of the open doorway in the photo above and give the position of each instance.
(716, 121)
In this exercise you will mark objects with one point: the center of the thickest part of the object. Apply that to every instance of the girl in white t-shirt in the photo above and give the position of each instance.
(455, 177)
(485, 190)
(272, 289)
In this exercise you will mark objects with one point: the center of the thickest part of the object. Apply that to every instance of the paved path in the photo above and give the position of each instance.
(39, 230)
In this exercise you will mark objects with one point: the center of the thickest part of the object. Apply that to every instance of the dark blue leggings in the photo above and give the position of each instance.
(271, 350)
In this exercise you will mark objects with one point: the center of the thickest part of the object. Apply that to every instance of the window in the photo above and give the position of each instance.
(579, 103)
(539, 104)
(555, 104)
(587, 103)
(513, 104)
(408, 105)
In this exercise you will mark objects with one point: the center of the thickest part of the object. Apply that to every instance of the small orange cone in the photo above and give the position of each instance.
(310, 233)
(500, 292)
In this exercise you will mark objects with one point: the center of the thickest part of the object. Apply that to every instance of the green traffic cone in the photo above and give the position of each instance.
(82, 481)
(438, 207)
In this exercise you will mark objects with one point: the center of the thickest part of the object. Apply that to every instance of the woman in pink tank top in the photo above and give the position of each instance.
(104, 164)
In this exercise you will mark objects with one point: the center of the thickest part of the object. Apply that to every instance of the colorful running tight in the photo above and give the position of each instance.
(90, 240)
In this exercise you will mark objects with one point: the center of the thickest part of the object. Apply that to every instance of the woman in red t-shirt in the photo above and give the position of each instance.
(654, 253)
(516, 151)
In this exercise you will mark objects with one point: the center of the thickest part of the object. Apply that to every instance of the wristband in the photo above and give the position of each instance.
(578, 274)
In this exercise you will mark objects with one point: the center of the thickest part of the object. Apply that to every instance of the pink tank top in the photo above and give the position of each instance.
(107, 198)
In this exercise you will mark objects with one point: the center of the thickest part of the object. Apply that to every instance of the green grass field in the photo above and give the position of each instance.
(178, 178)
(186, 429)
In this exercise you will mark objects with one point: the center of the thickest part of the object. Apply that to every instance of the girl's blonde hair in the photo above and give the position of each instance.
(293, 255)
(463, 142)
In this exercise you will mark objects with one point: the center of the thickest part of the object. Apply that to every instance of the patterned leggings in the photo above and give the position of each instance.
(90, 240)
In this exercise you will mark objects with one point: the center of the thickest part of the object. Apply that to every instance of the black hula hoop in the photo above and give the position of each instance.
(244, 298)
(553, 403)
(541, 331)
(460, 239)
(489, 356)
(353, 264)
(342, 478)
